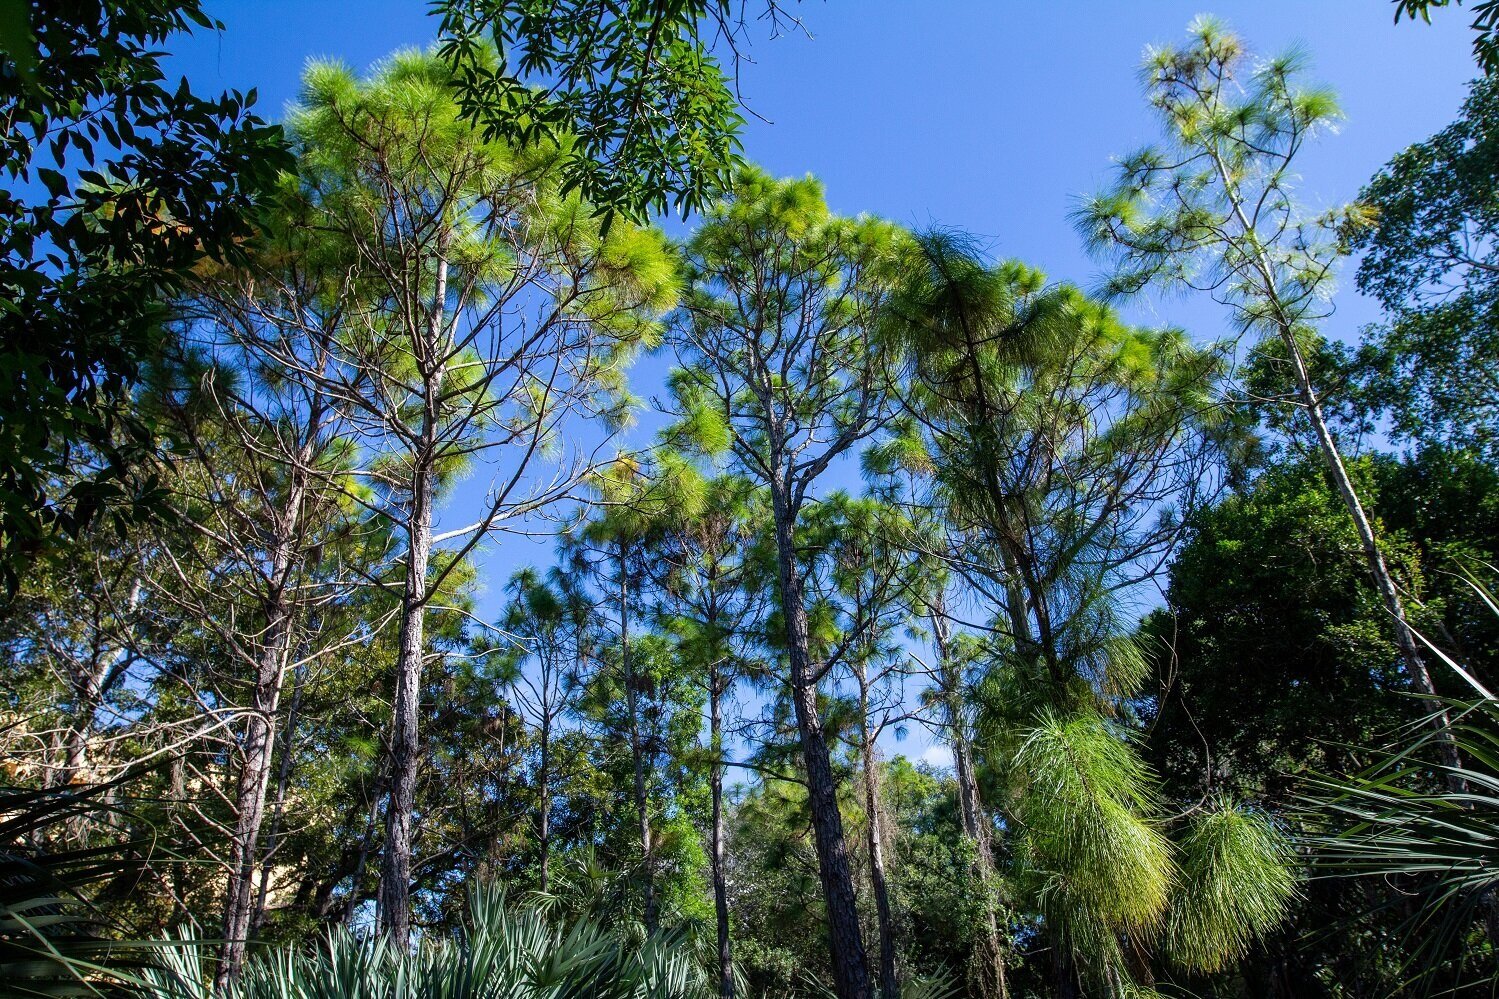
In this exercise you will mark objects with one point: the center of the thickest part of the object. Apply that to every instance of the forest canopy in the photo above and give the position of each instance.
(432, 570)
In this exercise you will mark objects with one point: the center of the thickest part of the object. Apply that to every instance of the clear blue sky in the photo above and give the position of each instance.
(989, 115)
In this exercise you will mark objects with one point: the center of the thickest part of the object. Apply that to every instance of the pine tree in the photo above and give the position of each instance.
(784, 365)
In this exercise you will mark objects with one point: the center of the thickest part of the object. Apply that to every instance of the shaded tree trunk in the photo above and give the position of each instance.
(1063, 971)
(544, 792)
(366, 847)
(260, 739)
(846, 943)
(720, 884)
(1384, 581)
(278, 810)
(637, 753)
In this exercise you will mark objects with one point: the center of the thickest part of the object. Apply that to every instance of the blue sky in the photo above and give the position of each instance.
(993, 116)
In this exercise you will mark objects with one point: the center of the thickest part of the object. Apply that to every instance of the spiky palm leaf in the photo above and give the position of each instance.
(505, 950)
(1433, 828)
(54, 941)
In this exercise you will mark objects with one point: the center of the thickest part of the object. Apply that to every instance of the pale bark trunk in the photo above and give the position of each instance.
(850, 975)
(278, 810)
(1384, 581)
(637, 754)
(405, 744)
(987, 969)
(260, 737)
(88, 694)
(889, 984)
(254, 777)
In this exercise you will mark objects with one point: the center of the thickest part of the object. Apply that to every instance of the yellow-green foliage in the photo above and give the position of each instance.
(399, 139)
(1084, 803)
(1236, 882)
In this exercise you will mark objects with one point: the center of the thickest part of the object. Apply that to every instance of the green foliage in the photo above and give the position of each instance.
(803, 362)
(451, 276)
(1429, 257)
(1212, 208)
(118, 186)
(1266, 622)
(1082, 798)
(1237, 880)
(1485, 26)
(1398, 822)
(502, 950)
(650, 118)
(1058, 438)
(56, 938)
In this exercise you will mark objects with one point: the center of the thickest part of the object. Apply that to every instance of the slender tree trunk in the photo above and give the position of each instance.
(405, 742)
(254, 777)
(544, 792)
(86, 701)
(846, 943)
(889, 984)
(987, 969)
(1384, 581)
(720, 884)
(366, 847)
(637, 755)
(260, 743)
(278, 810)
(88, 695)
(1137, 958)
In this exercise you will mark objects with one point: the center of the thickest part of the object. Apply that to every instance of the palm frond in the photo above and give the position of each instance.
(1431, 828)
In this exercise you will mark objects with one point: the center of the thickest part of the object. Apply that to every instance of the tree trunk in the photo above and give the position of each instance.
(637, 755)
(89, 688)
(987, 968)
(405, 745)
(846, 943)
(249, 802)
(278, 810)
(889, 986)
(366, 846)
(720, 885)
(544, 792)
(260, 743)
(1384, 582)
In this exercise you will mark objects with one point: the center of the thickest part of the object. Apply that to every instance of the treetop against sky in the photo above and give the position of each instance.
(993, 118)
